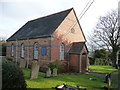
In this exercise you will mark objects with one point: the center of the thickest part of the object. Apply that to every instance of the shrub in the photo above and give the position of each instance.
(52, 66)
(12, 76)
(4, 49)
(100, 61)
(91, 61)
(55, 64)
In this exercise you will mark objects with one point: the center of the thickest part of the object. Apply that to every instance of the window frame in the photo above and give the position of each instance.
(73, 30)
(12, 50)
(22, 54)
(62, 51)
(36, 50)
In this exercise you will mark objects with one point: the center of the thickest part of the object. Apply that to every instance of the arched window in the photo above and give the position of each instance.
(12, 50)
(35, 51)
(22, 50)
(62, 51)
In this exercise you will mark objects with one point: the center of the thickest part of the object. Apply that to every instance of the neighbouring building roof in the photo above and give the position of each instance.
(77, 47)
(41, 27)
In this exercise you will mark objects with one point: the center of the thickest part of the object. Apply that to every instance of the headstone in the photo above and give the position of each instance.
(34, 69)
(54, 72)
(106, 78)
(22, 63)
(48, 73)
(109, 82)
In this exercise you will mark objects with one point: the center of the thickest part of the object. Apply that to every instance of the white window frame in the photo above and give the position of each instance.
(35, 51)
(12, 50)
(22, 51)
(62, 51)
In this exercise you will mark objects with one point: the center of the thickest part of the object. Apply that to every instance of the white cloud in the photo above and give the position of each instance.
(5, 32)
(15, 13)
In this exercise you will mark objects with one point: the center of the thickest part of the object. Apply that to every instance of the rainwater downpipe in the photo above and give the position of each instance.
(16, 51)
(28, 52)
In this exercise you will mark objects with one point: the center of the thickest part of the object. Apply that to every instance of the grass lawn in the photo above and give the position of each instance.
(102, 69)
(106, 69)
(70, 79)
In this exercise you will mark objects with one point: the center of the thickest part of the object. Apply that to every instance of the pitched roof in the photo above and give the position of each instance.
(77, 47)
(41, 27)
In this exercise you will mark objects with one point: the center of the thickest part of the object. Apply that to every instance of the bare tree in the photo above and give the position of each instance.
(107, 33)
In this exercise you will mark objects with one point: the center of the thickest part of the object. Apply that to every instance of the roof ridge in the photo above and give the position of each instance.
(43, 26)
(51, 14)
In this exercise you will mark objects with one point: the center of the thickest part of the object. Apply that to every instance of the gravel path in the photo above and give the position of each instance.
(119, 79)
(97, 74)
(114, 75)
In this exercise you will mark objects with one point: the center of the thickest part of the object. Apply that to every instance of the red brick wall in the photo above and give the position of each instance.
(73, 62)
(78, 63)
(63, 34)
(29, 50)
(84, 60)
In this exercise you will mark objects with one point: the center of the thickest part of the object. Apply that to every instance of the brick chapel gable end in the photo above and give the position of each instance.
(70, 30)
(47, 39)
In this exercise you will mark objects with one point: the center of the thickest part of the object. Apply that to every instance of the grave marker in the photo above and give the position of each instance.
(22, 63)
(34, 69)
(48, 73)
(54, 72)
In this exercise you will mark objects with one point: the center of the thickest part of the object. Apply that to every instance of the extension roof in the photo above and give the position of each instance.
(41, 27)
(77, 47)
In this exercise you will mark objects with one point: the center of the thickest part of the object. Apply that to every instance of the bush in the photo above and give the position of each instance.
(100, 61)
(4, 49)
(55, 64)
(12, 76)
(91, 61)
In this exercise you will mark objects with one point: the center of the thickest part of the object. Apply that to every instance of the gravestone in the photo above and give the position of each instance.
(34, 69)
(54, 72)
(48, 73)
(22, 63)
(109, 82)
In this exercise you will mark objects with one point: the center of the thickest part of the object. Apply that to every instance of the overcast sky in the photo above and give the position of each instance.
(15, 13)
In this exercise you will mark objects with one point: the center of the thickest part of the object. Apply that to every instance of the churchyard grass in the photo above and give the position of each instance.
(102, 69)
(75, 79)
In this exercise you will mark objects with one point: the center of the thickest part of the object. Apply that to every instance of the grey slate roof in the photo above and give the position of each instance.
(77, 47)
(41, 27)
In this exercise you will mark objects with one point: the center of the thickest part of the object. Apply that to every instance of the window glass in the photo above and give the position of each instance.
(62, 51)
(35, 51)
(44, 51)
(72, 30)
(22, 51)
(12, 50)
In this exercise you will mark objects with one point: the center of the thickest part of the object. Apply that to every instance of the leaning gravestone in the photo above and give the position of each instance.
(34, 69)
(22, 63)
(54, 72)
(48, 73)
